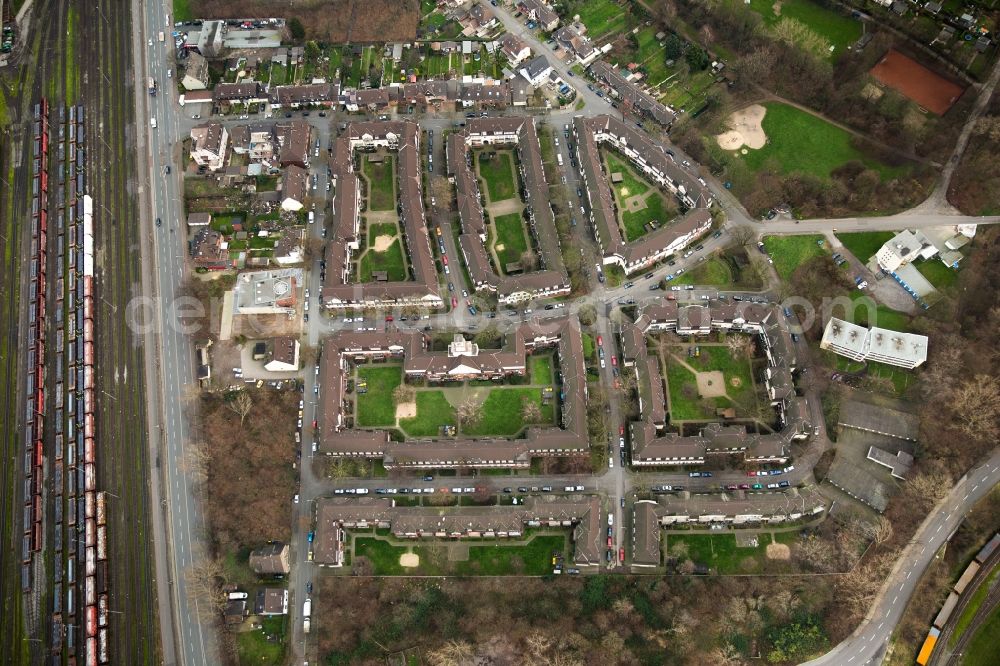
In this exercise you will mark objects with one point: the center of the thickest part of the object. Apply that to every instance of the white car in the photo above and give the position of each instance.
(611, 462)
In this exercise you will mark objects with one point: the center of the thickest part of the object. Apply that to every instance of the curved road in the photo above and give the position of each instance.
(869, 641)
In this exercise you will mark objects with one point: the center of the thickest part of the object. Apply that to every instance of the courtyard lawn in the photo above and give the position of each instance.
(541, 369)
(498, 172)
(865, 244)
(720, 358)
(391, 261)
(376, 408)
(381, 195)
(801, 142)
(937, 273)
(790, 252)
(511, 237)
(720, 552)
(602, 17)
(682, 407)
(631, 183)
(433, 411)
(659, 210)
(712, 271)
(504, 558)
(865, 312)
(383, 556)
(839, 30)
(589, 347)
(377, 229)
(501, 412)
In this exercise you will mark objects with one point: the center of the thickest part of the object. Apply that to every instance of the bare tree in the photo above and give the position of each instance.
(817, 553)
(742, 234)
(976, 404)
(195, 462)
(530, 411)
(452, 653)
(204, 581)
(241, 404)
(403, 393)
(469, 411)
(739, 345)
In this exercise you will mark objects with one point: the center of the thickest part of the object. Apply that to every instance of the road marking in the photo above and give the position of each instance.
(975, 487)
(895, 599)
(965, 498)
(910, 573)
(983, 480)
(850, 660)
(938, 529)
(880, 624)
(887, 614)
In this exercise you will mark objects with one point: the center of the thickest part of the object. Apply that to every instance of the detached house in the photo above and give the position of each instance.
(195, 73)
(208, 145)
(537, 71)
(539, 11)
(515, 49)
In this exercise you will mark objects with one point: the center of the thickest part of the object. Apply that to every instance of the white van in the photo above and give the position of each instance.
(152, 123)
(312, 217)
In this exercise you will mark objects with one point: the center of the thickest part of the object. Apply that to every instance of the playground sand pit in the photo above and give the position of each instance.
(409, 560)
(711, 384)
(735, 382)
(383, 243)
(778, 551)
(747, 129)
(406, 410)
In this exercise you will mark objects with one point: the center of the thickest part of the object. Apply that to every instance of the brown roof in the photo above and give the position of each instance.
(645, 534)
(231, 92)
(283, 349)
(294, 137)
(312, 93)
(295, 184)
(270, 559)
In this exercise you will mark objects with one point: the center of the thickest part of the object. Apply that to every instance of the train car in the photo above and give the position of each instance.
(987, 550)
(102, 542)
(101, 507)
(102, 610)
(967, 576)
(949, 606)
(89, 591)
(91, 650)
(91, 620)
(102, 645)
(928, 647)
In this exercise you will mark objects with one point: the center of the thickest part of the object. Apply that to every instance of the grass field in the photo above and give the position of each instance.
(381, 194)
(984, 643)
(541, 369)
(254, 648)
(433, 411)
(659, 210)
(712, 271)
(376, 408)
(868, 313)
(899, 377)
(937, 273)
(790, 252)
(532, 557)
(720, 552)
(391, 261)
(801, 142)
(510, 234)
(501, 412)
(651, 55)
(865, 244)
(692, 407)
(969, 613)
(498, 173)
(601, 17)
(682, 407)
(838, 30)
(182, 10)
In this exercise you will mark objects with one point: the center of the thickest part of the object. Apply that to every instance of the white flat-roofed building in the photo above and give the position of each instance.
(905, 350)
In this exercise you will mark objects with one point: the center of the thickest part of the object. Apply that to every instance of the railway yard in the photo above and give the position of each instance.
(76, 512)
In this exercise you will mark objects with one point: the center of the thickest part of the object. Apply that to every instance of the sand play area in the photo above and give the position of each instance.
(383, 243)
(747, 129)
(406, 410)
(409, 560)
(777, 551)
(711, 384)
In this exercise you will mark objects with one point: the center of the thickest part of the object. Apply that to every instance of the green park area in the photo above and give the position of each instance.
(496, 167)
(864, 244)
(799, 142)
(686, 400)
(381, 195)
(602, 17)
(975, 602)
(721, 552)
(809, 25)
(375, 407)
(790, 252)
(937, 273)
(640, 204)
(265, 645)
(527, 557)
(501, 412)
(511, 242)
(390, 259)
(982, 649)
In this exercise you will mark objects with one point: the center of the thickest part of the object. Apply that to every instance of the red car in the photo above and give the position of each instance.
(454, 302)
(610, 543)
(614, 360)
(621, 554)
(621, 430)
(314, 424)
(751, 473)
(444, 258)
(388, 317)
(600, 341)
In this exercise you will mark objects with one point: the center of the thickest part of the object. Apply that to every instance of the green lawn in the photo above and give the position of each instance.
(937, 273)
(631, 183)
(712, 271)
(501, 412)
(601, 17)
(433, 411)
(866, 312)
(900, 377)
(182, 10)
(740, 394)
(498, 172)
(790, 252)
(659, 210)
(683, 408)
(391, 261)
(510, 235)
(651, 55)
(865, 244)
(801, 142)
(534, 558)
(836, 29)
(381, 194)
(376, 408)
(383, 556)
(720, 358)
(589, 347)
(377, 229)
(254, 648)
(972, 607)
(541, 369)
(984, 642)
(720, 553)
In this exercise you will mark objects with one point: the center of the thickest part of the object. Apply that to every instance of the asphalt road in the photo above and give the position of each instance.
(869, 641)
